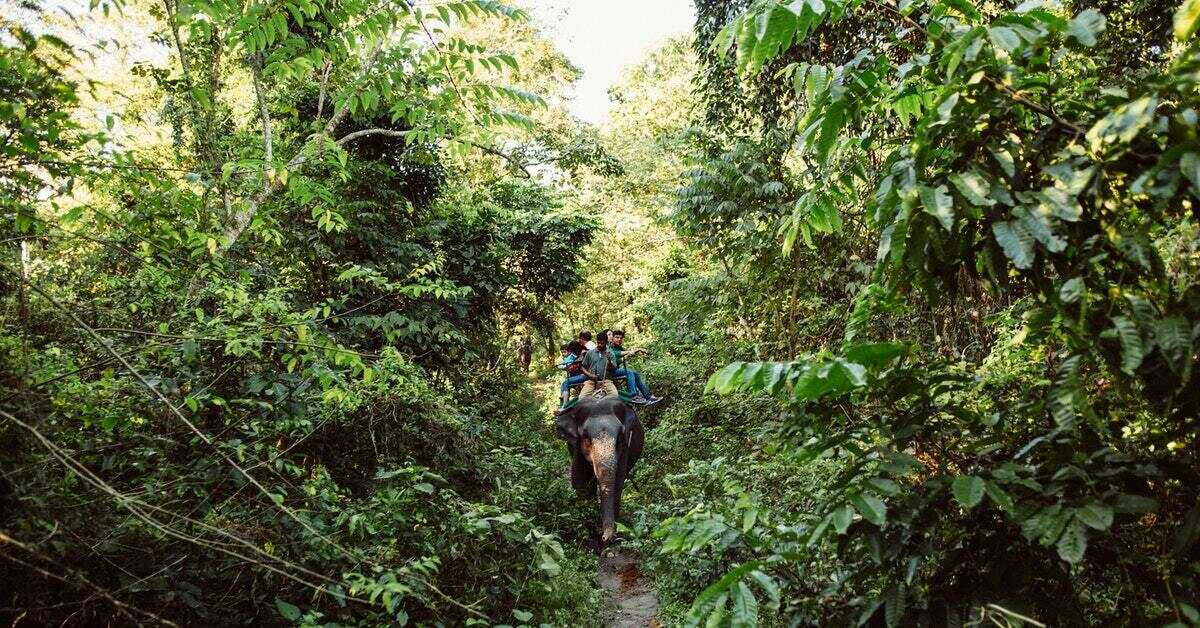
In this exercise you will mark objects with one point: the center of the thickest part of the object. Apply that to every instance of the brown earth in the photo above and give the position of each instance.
(631, 594)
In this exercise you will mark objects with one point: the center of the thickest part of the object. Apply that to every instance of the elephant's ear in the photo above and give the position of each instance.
(629, 419)
(566, 425)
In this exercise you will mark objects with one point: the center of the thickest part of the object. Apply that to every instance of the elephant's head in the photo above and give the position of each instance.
(600, 427)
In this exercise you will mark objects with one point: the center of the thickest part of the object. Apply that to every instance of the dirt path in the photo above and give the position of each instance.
(632, 595)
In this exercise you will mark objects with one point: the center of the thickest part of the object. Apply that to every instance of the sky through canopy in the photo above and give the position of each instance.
(602, 38)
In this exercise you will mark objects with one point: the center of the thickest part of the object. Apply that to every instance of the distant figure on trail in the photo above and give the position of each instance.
(572, 363)
(637, 384)
(525, 352)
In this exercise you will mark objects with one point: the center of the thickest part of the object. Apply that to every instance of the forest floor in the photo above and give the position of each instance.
(631, 593)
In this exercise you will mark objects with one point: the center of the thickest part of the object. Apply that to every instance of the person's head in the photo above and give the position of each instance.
(602, 339)
(617, 336)
(575, 347)
(585, 336)
(565, 348)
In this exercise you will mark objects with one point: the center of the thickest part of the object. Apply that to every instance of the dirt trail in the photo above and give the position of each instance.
(632, 595)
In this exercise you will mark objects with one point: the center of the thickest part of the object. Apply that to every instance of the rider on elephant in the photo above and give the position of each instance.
(637, 384)
(599, 368)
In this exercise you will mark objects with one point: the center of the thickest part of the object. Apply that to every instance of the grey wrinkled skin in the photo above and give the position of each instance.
(605, 439)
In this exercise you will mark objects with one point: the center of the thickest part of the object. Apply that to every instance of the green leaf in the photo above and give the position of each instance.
(748, 519)
(1122, 124)
(997, 495)
(1071, 290)
(1086, 26)
(946, 107)
(842, 518)
(1016, 241)
(1134, 504)
(775, 28)
(938, 203)
(875, 354)
(885, 486)
(973, 187)
(893, 613)
(1189, 166)
(717, 617)
(1132, 349)
(871, 508)
(720, 586)
(768, 585)
(1174, 338)
(289, 611)
(819, 531)
(968, 490)
(724, 381)
(1004, 38)
(522, 615)
(1073, 543)
(1095, 515)
(745, 606)
(1187, 18)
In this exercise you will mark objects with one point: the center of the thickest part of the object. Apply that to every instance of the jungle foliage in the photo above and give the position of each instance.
(997, 203)
(251, 371)
(919, 282)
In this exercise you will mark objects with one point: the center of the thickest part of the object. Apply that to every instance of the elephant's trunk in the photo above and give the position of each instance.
(604, 464)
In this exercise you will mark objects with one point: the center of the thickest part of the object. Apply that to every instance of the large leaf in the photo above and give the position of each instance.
(1004, 38)
(775, 28)
(893, 613)
(1187, 18)
(997, 494)
(1122, 124)
(875, 354)
(1071, 290)
(768, 585)
(832, 377)
(725, 380)
(968, 490)
(938, 203)
(870, 507)
(721, 586)
(1073, 542)
(745, 606)
(1086, 26)
(1016, 241)
(842, 518)
(973, 187)
(1189, 166)
(1174, 338)
(1095, 515)
(287, 610)
(1187, 533)
(1132, 350)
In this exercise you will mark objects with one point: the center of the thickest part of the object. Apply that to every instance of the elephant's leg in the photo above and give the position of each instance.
(582, 477)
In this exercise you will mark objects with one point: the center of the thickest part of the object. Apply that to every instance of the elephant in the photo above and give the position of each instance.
(605, 440)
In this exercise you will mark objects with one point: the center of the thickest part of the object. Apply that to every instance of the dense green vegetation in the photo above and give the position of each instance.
(920, 282)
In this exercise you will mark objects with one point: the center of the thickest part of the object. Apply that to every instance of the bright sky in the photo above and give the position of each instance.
(603, 36)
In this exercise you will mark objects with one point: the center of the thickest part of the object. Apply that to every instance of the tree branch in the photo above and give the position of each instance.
(350, 137)
(269, 155)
